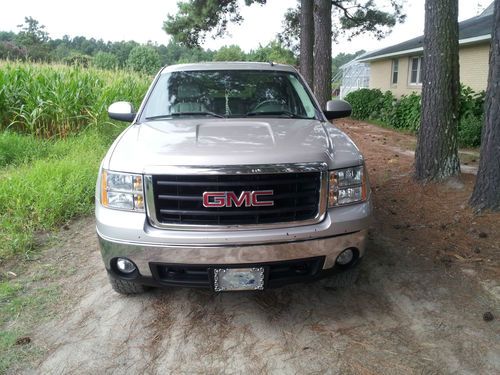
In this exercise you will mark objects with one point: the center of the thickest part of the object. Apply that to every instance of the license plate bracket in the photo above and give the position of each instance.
(237, 279)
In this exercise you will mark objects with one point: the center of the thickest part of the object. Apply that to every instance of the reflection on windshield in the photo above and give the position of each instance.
(228, 93)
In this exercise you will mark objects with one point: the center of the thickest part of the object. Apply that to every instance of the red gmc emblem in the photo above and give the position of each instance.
(230, 199)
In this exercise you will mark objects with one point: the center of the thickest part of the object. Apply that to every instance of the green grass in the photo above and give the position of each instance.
(15, 150)
(41, 194)
(22, 307)
(55, 132)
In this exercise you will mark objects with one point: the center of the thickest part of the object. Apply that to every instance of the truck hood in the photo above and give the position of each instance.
(215, 142)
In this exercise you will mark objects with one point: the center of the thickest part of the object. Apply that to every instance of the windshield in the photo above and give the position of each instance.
(228, 93)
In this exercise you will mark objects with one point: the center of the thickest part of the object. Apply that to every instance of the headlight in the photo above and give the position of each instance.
(122, 191)
(347, 186)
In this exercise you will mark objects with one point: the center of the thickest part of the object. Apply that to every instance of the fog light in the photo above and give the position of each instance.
(124, 265)
(345, 257)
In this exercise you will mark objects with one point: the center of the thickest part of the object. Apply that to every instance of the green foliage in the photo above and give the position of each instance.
(196, 18)
(10, 50)
(471, 102)
(404, 113)
(105, 60)
(55, 101)
(54, 187)
(78, 59)
(16, 150)
(175, 53)
(84, 52)
(350, 18)
(144, 59)
(273, 51)
(48, 175)
(290, 35)
(366, 103)
(230, 53)
(33, 38)
(469, 131)
(358, 18)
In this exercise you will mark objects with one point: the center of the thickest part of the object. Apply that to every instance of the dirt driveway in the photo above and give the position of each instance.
(417, 308)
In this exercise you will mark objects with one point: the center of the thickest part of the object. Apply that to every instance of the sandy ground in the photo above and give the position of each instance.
(416, 309)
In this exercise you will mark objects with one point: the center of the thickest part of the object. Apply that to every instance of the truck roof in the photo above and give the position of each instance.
(231, 65)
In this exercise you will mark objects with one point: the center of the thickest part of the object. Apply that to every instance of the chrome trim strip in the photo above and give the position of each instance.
(233, 169)
(218, 245)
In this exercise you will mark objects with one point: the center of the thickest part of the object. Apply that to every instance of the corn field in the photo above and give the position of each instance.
(54, 101)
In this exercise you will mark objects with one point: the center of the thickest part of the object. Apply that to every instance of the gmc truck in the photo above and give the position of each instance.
(231, 177)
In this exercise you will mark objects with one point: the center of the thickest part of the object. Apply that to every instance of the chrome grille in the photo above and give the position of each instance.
(177, 199)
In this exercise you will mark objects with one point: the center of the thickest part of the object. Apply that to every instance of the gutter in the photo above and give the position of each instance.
(461, 42)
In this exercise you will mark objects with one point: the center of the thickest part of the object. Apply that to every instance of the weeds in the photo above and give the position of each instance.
(48, 191)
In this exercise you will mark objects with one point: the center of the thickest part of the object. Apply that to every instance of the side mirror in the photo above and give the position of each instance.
(121, 111)
(337, 109)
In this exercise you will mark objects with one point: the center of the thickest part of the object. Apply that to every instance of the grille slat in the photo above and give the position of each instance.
(200, 198)
(229, 183)
(179, 198)
(240, 212)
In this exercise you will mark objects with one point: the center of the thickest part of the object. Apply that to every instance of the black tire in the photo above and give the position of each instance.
(126, 287)
(343, 279)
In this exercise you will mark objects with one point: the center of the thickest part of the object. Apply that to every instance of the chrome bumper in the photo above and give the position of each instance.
(143, 254)
(129, 234)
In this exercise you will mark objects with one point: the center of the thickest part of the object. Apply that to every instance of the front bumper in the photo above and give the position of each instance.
(284, 263)
(143, 255)
(128, 234)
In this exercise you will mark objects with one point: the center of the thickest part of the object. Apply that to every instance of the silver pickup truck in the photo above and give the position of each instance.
(230, 177)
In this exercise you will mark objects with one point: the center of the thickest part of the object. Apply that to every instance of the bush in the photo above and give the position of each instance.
(144, 59)
(404, 113)
(469, 131)
(105, 60)
(366, 103)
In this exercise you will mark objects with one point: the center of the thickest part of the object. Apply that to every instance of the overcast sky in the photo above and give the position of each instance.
(142, 21)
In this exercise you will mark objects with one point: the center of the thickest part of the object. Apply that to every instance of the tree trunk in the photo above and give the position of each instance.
(323, 51)
(306, 40)
(436, 156)
(487, 189)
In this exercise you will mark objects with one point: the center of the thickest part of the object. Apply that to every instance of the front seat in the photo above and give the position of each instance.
(188, 100)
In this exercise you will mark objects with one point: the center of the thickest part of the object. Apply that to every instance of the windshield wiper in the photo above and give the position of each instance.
(177, 114)
(277, 113)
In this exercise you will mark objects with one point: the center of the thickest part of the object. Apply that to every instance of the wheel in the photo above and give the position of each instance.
(126, 287)
(343, 279)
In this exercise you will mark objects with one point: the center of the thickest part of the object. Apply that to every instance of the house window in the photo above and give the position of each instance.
(416, 70)
(395, 68)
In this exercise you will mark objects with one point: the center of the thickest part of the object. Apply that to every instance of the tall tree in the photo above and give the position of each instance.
(306, 41)
(436, 156)
(323, 51)
(197, 18)
(33, 38)
(486, 193)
